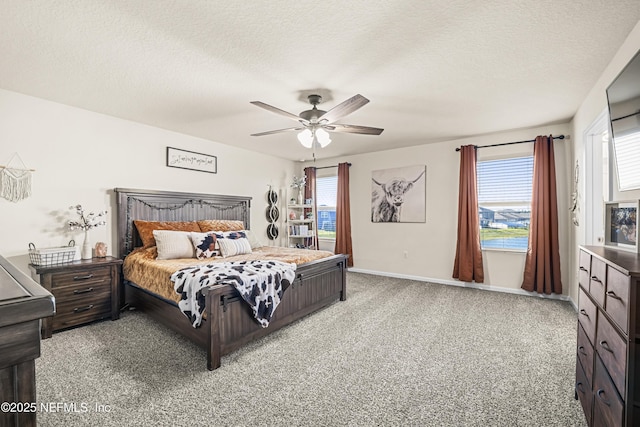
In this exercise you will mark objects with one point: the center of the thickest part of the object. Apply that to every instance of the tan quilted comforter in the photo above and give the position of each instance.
(142, 268)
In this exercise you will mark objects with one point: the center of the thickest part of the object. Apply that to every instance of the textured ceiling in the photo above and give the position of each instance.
(433, 69)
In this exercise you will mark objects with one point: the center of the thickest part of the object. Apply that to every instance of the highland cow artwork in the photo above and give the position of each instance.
(399, 194)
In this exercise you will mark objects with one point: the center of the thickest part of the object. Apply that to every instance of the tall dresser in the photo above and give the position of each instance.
(608, 366)
(22, 304)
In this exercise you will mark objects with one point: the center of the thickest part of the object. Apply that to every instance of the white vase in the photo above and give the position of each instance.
(86, 247)
(300, 197)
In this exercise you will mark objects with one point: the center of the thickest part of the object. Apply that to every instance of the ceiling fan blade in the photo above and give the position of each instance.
(342, 109)
(365, 130)
(276, 131)
(279, 111)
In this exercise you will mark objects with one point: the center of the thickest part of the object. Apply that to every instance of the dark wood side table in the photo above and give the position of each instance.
(22, 304)
(85, 291)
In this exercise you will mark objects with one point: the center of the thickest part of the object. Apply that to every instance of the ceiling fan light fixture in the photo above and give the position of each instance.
(323, 138)
(306, 138)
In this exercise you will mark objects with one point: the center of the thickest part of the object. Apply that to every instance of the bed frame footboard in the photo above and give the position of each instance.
(230, 321)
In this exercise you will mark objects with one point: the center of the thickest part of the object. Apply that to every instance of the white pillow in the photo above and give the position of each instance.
(173, 244)
(253, 239)
(231, 247)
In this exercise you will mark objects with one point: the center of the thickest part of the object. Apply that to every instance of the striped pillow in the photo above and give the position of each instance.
(231, 247)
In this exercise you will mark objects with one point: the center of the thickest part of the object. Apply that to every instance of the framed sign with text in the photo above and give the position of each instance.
(183, 159)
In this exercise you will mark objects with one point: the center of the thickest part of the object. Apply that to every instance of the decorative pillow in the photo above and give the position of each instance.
(233, 235)
(253, 239)
(173, 244)
(206, 245)
(145, 229)
(220, 225)
(231, 247)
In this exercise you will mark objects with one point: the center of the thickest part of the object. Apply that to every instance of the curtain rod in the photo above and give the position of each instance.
(334, 166)
(509, 143)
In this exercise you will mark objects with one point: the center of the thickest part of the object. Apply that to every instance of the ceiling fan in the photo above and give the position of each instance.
(315, 124)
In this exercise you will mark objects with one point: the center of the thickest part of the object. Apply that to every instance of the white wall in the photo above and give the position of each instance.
(380, 247)
(591, 107)
(80, 157)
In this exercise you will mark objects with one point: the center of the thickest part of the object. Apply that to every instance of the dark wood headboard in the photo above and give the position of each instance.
(150, 205)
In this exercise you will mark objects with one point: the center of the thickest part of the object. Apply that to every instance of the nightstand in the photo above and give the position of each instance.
(84, 291)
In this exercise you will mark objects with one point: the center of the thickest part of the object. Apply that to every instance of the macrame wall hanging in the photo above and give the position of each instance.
(15, 179)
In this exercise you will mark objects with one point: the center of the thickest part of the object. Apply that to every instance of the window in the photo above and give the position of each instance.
(327, 191)
(627, 158)
(504, 202)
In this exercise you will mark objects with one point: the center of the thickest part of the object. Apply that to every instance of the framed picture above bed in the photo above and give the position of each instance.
(621, 226)
(183, 159)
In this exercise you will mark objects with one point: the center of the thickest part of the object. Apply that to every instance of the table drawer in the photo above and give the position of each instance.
(587, 315)
(617, 297)
(598, 280)
(85, 292)
(612, 349)
(81, 312)
(585, 354)
(608, 408)
(87, 276)
(584, 269)
(584, 392)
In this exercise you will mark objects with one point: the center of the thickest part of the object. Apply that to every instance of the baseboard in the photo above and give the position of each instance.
(466, 285)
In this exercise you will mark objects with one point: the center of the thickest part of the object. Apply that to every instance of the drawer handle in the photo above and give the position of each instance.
(595, 279)
(584, 312)
(583, 269)
(605, 345)
(81, 309)
(82, 291)
(579, 387)
(605, 401)
(88, 276)
(581, 350)
(613, 295)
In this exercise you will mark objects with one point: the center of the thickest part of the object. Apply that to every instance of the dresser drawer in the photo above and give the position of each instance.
(598, 280)
(617, 297)
(86, 276)
(612, 349)
(585, 354)
(80, 312)
(584, 269)
(608, 408)
(587, 315)
(584, 392)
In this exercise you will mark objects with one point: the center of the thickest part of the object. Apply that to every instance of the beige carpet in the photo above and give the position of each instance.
(397, 352)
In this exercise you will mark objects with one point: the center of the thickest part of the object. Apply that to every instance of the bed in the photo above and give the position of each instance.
(228, 322)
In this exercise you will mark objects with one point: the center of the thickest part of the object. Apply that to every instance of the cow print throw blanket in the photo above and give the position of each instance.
(260, 283)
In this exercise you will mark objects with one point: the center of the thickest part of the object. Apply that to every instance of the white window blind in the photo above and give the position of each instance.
(327, 194)
(504, 199)
(627, 149)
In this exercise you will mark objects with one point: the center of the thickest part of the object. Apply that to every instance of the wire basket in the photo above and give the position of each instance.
(52, 256)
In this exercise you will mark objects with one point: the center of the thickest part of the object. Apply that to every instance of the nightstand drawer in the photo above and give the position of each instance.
(86, 292)
(612, 349)
(81, 312)
(617, 304)
(86, 276)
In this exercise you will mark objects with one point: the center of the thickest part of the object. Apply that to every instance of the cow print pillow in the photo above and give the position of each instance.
(205, 244)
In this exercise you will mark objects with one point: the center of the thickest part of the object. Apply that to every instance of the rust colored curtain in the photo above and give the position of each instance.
(310, 193)
(468, 263)
(542, 266)
(343, 215)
